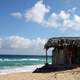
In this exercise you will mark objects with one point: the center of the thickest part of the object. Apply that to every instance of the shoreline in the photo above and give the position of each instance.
(20, 69)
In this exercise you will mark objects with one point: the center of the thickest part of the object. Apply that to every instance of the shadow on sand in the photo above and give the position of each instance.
(54, 68)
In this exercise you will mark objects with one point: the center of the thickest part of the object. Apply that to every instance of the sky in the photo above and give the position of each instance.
(26, 25)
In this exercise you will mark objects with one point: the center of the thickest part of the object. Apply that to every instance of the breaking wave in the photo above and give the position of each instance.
(24, 59)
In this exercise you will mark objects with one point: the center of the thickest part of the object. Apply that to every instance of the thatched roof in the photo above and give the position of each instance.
(62, 41)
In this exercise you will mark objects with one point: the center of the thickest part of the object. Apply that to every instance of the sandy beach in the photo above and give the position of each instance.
(62, 75)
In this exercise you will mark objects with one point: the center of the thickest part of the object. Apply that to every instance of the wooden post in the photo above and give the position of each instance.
(53, 52)
(46, 58)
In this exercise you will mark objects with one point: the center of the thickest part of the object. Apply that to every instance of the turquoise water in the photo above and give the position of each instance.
(13, 61)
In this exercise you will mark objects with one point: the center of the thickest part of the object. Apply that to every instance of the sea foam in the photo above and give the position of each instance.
(24, 59)
(20, 69)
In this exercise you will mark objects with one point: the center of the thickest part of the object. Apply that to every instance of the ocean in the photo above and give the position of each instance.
(21, 63)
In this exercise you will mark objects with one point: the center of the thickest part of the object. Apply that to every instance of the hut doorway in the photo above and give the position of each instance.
(71, 55)
(74, 55)
(57, 56)
(66, 55)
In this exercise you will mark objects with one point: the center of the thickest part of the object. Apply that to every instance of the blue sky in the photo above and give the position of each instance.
(23, 22)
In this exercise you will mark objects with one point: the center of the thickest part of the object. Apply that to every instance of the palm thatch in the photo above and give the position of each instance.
(62, 41)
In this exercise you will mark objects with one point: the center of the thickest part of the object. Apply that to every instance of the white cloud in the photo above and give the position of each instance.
(64, 15)
(73, 23)
(1, 42)
(64, 20)
(77, 21)
(20, 44)
(37, 12)
(56, 20)
(16, 14)
(52, 20)
(61, 20)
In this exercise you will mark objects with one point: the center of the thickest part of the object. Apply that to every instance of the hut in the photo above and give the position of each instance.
(66, 50)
